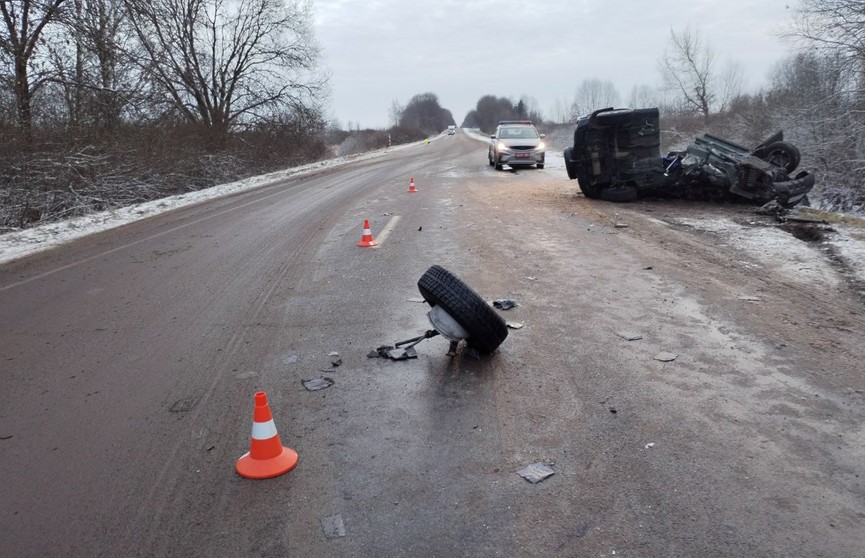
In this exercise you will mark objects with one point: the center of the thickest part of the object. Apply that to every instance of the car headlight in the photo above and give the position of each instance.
(501, 147)
(541, 146)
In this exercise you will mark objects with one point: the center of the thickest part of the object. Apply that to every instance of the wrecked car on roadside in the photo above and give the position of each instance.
(616, 157)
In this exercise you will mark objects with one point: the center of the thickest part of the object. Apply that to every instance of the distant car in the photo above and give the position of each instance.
(452, 129)
(451, 132)
(516, 143)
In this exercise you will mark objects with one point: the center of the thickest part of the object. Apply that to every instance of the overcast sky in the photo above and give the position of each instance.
(381, 50)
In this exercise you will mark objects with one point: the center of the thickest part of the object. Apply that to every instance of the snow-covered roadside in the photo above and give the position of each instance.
(802, 262)
(18, 244)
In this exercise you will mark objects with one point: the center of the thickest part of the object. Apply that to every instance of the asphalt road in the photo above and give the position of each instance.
(130, 359)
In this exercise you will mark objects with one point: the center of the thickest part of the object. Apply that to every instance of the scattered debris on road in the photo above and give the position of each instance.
(504, 303)
(393, 353)
(415, 299)
(629, 336)
(750, 298)
(536, 472)
(664, 356)
(315, 384)
(621, 225)
(333, 526)
(515, 325)
(650, 445)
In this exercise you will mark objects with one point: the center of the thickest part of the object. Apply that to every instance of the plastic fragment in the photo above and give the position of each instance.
(536, 472)
(664, 356)
(629, 336)
(315, 384)
(504, 303)
(515, 325)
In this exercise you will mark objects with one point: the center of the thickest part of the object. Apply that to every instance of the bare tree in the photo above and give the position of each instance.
(690, 68)
(24, 22)
(560, 111)
(642, 96)
(224, 62)
(593, 94)
(96, 78)
(394, 113)
(833, 26)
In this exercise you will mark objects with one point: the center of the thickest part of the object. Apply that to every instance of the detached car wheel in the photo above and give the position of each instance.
(486, 329)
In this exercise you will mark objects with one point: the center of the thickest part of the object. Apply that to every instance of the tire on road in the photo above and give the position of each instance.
(619, 194)
(570, 166)
(486, 329)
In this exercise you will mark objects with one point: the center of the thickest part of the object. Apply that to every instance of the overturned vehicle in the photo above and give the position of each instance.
(616, 157)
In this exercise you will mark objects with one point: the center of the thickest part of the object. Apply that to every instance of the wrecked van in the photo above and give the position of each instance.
(616, 157)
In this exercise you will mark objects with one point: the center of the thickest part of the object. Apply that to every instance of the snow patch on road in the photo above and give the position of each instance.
(771, 247)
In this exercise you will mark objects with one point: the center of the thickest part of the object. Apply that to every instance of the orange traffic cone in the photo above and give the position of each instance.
(366, 239)
(267, 457)
(411, 187)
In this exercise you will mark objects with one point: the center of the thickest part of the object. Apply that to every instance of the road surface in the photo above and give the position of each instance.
(131, 357)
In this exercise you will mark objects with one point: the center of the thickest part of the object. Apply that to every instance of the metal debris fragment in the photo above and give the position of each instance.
(393, 353)
(315, 384)
(415, 299)
(536, 472)
(504, 303)
(664, 356)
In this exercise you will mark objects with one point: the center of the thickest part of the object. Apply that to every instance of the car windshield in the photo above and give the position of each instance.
(519, 132)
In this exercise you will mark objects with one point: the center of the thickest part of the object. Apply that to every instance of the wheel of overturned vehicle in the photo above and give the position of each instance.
(619, 194)
(570, 166)
(613, 117)
(797, 188)
(486, 329)
(783, 154)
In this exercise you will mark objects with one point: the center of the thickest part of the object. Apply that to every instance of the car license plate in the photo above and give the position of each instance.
(522, 155)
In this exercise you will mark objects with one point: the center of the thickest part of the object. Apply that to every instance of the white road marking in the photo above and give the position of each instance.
(386, 230)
